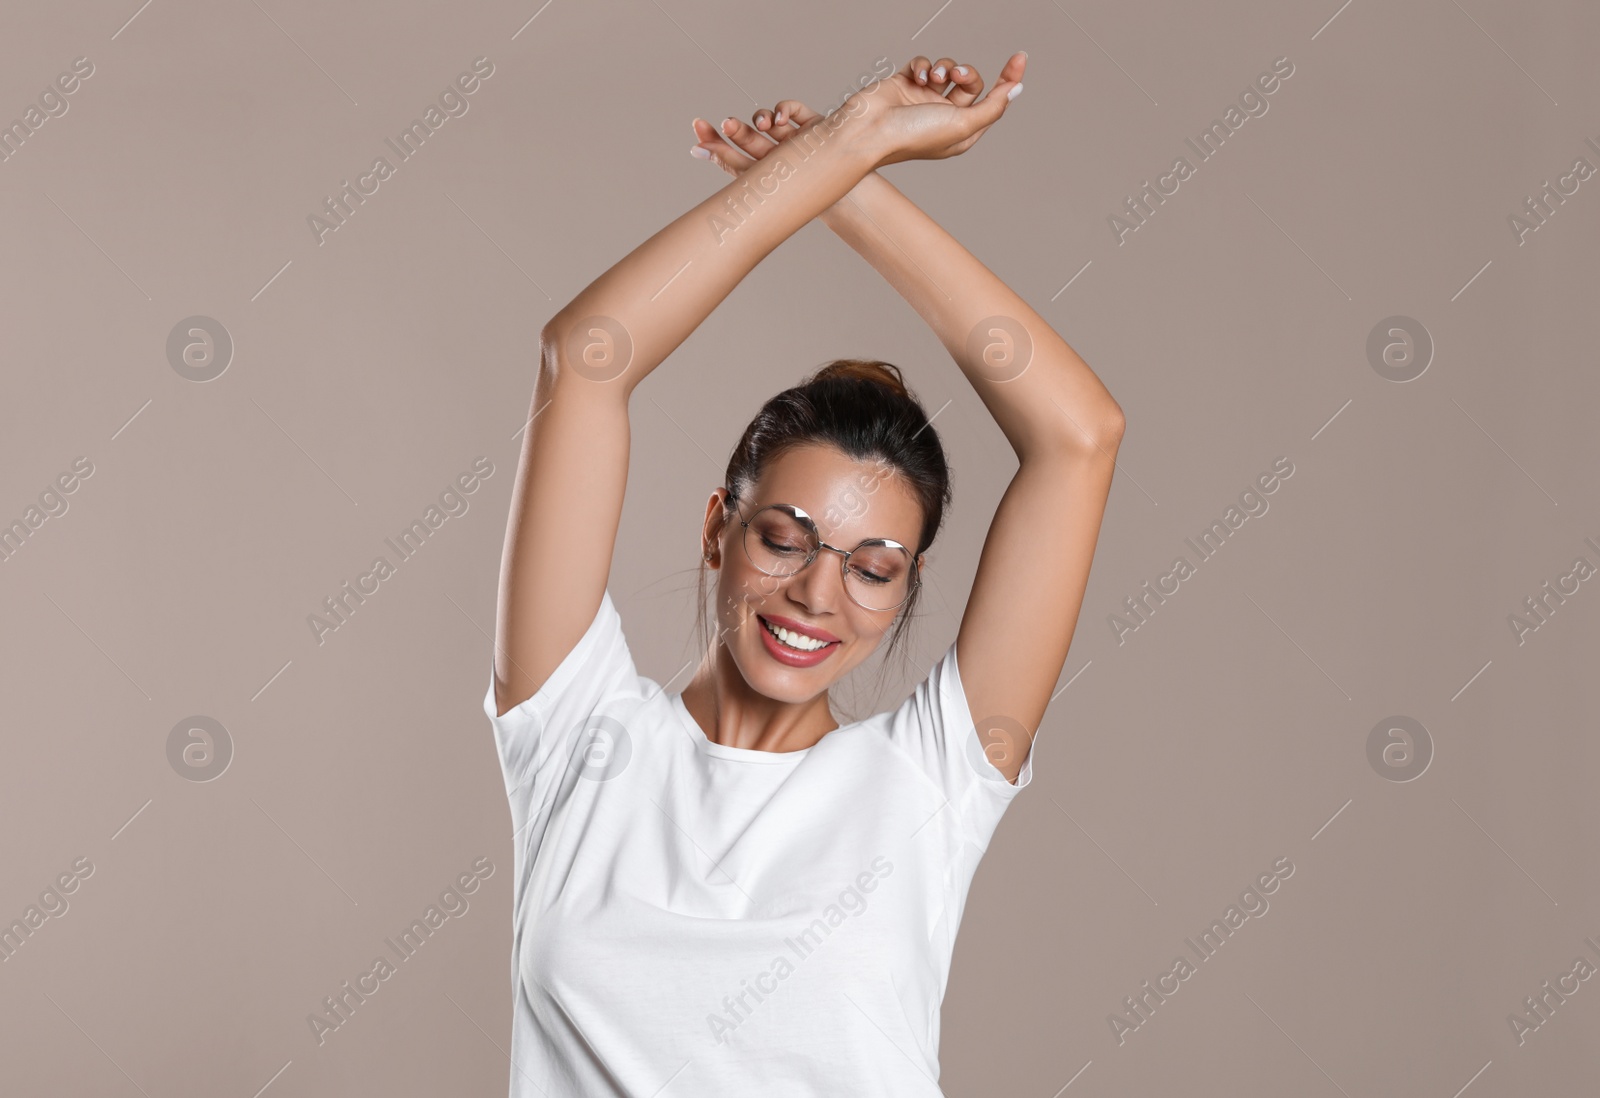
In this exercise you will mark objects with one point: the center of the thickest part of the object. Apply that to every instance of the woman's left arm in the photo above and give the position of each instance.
(1063, 424)
(1065, 428)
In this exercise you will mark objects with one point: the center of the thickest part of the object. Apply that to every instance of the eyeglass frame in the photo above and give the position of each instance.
(844, 555)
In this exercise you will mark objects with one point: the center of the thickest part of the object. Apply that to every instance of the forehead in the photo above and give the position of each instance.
(848, 498)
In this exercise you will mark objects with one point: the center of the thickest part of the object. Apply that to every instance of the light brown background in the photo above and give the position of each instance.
(375, 367)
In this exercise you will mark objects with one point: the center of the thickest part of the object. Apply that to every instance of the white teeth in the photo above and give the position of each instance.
(795, 640)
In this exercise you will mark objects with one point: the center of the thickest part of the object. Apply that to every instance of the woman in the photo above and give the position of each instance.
(724, 891)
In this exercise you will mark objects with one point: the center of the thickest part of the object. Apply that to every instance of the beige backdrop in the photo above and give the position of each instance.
(1343, 687)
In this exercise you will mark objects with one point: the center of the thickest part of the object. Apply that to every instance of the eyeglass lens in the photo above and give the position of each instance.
(877, 577)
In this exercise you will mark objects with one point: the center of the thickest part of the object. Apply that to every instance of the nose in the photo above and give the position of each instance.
(820, 585)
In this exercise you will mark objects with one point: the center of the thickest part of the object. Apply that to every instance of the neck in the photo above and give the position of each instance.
(732, 714)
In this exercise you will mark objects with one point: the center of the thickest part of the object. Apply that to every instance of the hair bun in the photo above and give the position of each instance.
(866, 369)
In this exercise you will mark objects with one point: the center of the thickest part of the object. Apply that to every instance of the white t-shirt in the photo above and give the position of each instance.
(693, 920)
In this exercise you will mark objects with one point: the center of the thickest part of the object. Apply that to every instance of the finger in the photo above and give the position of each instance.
(966, 85)
(792, 114)
(986, 111)
(916, 70)
(765, 123)
(705, 132)
(719, 152)
(708, 135)
(745, 137)
(1014, 66)
(974, 120)
(726, 157)
(939, 75)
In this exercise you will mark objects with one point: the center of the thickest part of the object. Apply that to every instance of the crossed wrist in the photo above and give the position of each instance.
(849, 131)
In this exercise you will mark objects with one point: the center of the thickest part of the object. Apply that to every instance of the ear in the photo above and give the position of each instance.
(715, 520)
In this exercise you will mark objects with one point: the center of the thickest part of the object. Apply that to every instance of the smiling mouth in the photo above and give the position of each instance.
(798, 642)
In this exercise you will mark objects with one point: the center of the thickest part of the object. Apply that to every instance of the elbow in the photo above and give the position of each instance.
(544, 377)
(550, 339)
(555, 338)
(583, 363)
(555, 348)
(1094, 433)
(1109, 426)
(593, 353)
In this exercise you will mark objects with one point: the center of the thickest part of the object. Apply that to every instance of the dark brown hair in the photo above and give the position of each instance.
(862, 408)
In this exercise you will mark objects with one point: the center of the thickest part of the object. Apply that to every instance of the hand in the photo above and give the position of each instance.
(772, 128)
(912, 119)
(913, 116)
(738, 147)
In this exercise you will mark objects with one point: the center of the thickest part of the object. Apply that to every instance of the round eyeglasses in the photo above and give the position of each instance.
(781, 539)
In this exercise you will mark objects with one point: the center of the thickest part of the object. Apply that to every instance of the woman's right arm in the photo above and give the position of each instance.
(566, 501)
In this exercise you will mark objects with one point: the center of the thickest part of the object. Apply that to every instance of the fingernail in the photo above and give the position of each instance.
(703, 154)
(922, 74)
(780, 116)
(1014, 92)
(961, 70)
(938, 74)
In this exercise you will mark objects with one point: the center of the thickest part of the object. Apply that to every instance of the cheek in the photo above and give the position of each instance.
(740, 591)
(743, 585)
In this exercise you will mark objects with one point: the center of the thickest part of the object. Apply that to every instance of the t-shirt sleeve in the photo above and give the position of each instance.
(936, 729)
(541, 730)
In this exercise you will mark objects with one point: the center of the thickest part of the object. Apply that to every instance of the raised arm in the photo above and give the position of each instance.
(1060, 420)
(566, 501)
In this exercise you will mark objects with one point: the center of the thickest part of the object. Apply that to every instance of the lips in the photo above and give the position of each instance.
(793, 657)
(800, 627)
